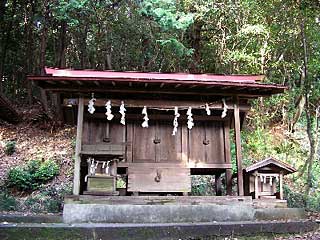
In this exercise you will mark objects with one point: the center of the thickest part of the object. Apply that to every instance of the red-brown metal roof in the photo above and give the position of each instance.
(84, 81)
(151, 76)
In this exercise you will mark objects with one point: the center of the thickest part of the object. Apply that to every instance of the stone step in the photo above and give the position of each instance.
(167, 231)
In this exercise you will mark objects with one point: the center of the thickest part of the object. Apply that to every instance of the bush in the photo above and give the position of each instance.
(10, 147)
(32, 175)
(299, 200)
(7, 202)
(49, 199)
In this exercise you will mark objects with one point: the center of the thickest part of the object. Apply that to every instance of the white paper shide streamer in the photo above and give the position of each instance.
(225, 108)
(208, 109)
(175, 121)
(108, 112)
(91, 108)
(190, 122)
(145, 118)
(122, 111)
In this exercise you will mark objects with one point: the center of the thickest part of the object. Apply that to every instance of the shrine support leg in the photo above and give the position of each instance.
(238, 146)
(76, 176)
(217, 184)
(229, 181)
(281, 185)
(256, 185)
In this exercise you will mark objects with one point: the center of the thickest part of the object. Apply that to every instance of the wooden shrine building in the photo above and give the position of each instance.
(159, 157)
(262, 179)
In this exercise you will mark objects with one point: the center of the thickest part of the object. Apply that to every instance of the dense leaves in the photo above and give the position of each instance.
(278, 38)
(32, 175)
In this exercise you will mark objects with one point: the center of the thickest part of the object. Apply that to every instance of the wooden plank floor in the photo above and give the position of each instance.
(159, 200)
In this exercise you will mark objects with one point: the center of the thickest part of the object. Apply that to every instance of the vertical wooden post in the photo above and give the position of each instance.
(274, 186)
(229, 181)
(217, 184)
(238, 145)
(57, 105)
(76, 176)
(227, 156)
(256, 185)
(281, 185)
(44, 100)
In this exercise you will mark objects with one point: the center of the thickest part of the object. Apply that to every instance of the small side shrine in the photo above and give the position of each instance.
(264, 179)
(154, 130)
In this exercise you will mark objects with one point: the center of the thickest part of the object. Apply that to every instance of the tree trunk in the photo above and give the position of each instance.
(44, 36)
(6, 35)
(195, 40)
(29, 42)
(62, 45)
(313, 137)
(83, 48)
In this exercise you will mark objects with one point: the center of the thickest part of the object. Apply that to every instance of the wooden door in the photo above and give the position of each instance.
(196, 148)
(206, 143)
(144, 141)
(169, 150)
(214, 142)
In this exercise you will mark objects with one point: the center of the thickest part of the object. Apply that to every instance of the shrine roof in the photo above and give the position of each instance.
(67, 80)
(281, 166)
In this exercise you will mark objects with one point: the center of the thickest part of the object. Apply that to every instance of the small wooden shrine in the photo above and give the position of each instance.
(264, 179)
(154, 130)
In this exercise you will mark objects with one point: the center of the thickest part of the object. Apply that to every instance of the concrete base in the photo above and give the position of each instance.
(101, 213)
(151, 231)
(280, 214)
(170, 210)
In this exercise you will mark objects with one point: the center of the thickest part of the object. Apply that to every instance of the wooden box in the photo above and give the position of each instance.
(159, 179)
(101, 183)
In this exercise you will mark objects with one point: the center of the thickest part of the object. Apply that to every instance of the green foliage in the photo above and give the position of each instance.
(299, 200)
(175, 46)
(32, 175)
(202, 185)
(50, 199)
(7, 202)
(10, 147)
(166, 14)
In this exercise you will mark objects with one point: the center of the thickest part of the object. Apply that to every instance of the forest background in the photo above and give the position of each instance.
(277, 38)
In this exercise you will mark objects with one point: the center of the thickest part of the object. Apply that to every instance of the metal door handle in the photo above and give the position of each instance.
(156, 141)
(206, 142)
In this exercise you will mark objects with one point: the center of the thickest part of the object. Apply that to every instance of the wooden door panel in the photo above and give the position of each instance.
(116, 132)
(170, 147)
(215, 138)
(196, 150)
(143, 143)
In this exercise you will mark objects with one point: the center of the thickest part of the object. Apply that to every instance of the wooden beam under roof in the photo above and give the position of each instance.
(216, 105)
(79, 83)
(51, 82)
(217, 92)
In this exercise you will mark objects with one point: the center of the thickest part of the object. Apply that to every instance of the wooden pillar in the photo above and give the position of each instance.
(44, 100)
(217, 184)
(76, 174)
(227, 156)
(281, 185)
(238, 145)
(229, 181)
(256, 185)
(56, 97)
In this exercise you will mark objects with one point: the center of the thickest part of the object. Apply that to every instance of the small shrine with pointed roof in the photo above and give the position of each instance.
(264, 179)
